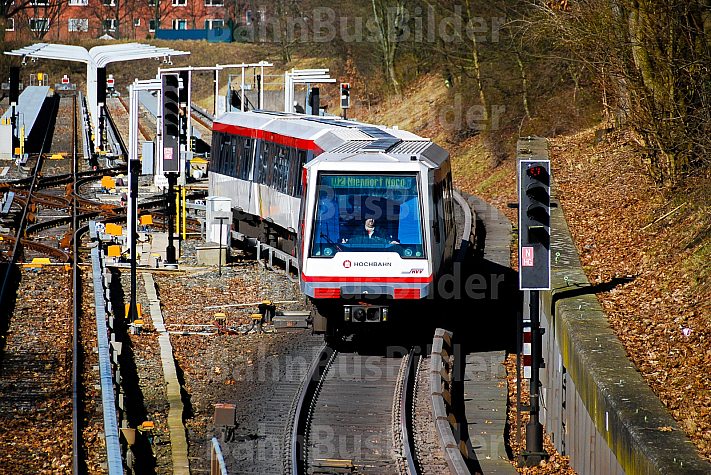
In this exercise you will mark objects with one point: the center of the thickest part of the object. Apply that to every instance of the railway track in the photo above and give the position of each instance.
(38, 348)
(354, 415)
(48, 417)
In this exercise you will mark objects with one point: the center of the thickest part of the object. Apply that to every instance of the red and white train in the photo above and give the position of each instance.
(368, 210)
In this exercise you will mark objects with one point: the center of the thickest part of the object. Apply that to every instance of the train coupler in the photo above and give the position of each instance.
(364, 313)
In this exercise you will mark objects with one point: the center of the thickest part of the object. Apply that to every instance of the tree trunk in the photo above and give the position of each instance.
(477, 67)
(388, 21)
(524, 83)
(3, 25)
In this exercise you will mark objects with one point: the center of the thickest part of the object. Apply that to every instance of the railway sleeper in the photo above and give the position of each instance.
(331, 466)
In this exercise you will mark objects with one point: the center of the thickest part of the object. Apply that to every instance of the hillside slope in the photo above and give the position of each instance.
(650, 245)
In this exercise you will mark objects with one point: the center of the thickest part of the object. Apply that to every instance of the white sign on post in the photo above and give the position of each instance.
(160, 181)
(527, 257)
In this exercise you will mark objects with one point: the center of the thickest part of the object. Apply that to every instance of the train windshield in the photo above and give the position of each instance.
(368, 213)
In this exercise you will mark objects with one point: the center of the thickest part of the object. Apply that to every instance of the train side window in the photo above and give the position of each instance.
(215, 152)
(273, 166)
(276, 167)
(247, 159)
(234, 150)
(224, 153)
(237, 144)
(436, 191)
(285, 170)
(263, 171)
(297, 176)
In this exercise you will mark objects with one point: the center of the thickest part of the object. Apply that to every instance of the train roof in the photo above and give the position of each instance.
(337, 136)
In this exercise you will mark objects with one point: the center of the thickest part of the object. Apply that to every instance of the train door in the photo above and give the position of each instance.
(439, 231)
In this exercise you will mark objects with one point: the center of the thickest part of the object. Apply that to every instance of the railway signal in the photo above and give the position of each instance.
(345, 97)
(534, 225)
(171, 124)
(534, 247)
(171, 151)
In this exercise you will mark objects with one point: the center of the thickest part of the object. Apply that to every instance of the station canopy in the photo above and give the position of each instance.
(96, 57)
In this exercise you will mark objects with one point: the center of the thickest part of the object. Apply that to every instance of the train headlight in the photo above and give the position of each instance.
(347, 314)
(359, 315)
(374, 314)
(408, 252)
(384, 314)
(418, 254)
(328, 251)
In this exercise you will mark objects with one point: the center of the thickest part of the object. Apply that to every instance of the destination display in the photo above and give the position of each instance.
(369, 181)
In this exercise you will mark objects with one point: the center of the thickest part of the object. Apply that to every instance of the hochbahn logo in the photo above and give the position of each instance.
(347, 264)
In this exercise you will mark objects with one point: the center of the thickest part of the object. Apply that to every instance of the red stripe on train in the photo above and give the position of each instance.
(406, 293)
(301, 144)
(326, 293)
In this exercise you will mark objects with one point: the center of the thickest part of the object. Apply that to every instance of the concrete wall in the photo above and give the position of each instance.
(598, 408)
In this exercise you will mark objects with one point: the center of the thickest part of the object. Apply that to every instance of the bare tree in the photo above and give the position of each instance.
(390, 17)
(655, 55)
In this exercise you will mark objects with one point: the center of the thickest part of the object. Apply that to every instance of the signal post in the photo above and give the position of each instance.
(171, 151)
(534, 233)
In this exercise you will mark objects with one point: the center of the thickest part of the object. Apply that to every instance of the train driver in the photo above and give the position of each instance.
(369, 233)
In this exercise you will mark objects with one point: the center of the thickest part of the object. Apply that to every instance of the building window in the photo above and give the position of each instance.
(39, 24)
(152, 24)
(78, 3)
(109, 3)
(262, 15)
(137, 22)
(41, 3)
(214, 3)
(214, 24)
(180, 24)
(78, 24)
(248, 17)
(110, 24)
(179, 3)
(10, 24)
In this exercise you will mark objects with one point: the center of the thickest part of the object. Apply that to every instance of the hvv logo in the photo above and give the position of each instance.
(414, 271)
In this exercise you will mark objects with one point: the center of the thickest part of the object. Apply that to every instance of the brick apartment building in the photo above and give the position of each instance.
(64, 20)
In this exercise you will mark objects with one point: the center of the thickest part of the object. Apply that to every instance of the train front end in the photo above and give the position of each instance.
(365, 238)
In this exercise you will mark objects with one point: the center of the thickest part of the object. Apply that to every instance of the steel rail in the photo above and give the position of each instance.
(25, 211)
(406, 412)
(76, 297)
(43, 248)
(307, 399)
(53, 223)
(141, 129)
(309, 391)
(56, 180)
(116, 135)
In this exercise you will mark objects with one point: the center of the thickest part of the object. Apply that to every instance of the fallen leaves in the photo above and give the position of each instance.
(629, 227)
(35, 380)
